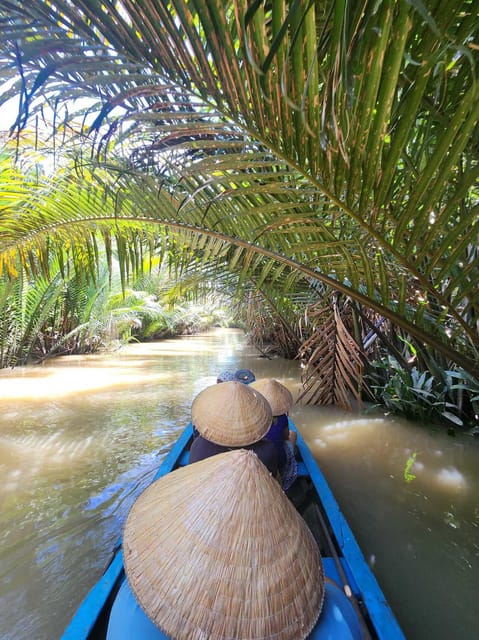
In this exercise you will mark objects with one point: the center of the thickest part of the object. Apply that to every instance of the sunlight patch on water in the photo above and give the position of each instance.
(31, 455)
(349, 425)
(427, 473)
(52, 446)
(347, 430)
(377, 443)
(189, 345)
(73, 381)
(452, 478)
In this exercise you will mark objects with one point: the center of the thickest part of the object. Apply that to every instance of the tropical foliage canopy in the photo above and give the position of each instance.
(325, 152)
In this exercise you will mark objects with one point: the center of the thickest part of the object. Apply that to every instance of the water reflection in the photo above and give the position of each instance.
(80, 437)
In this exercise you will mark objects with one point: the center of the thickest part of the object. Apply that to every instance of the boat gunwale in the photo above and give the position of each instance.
(379, 610)
(91, 607)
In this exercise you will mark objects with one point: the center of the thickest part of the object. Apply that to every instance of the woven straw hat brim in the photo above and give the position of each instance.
(216, 550)
(279, 397)
(231, 414)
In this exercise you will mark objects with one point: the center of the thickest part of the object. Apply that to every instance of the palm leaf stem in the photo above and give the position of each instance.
(366, 103)
(387, 91)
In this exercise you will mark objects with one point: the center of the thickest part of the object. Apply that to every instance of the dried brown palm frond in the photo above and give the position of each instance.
(333, 359)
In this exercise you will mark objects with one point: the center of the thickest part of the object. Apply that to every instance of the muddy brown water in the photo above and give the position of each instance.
(80, 437)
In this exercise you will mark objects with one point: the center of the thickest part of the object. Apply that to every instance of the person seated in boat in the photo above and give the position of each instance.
(232, 415)
(224, 376)
(225, 572)
(224, 576)
(242, 375)
(280, 400)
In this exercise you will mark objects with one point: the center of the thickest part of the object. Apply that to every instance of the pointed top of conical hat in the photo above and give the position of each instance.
(216, 550)
(231, 414)
(279, 397)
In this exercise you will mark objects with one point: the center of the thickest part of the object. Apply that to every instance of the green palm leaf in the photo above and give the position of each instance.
(339, 141)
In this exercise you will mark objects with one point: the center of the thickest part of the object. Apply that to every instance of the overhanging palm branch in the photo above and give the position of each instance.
(336, 139)
(65, 214)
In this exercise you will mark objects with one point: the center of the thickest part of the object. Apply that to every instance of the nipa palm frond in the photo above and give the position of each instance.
(333, 360)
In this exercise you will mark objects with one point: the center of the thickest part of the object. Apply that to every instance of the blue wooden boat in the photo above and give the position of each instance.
(367, 616)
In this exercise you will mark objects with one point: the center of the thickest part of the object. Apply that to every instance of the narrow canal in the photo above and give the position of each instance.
(80, 437)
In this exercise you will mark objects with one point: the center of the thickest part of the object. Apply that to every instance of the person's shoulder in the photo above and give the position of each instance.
(264, 444)
(266, 451)
(203, 448)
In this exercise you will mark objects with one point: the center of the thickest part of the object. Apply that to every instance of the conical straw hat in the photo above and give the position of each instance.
(216, 550)
(231, 414)
(279, 397)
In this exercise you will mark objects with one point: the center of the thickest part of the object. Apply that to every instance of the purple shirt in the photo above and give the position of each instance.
(278, 433)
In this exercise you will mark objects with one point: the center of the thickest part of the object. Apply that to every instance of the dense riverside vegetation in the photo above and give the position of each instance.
(317, 160)
(64, 313)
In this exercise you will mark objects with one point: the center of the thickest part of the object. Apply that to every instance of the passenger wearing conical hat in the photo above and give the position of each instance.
(280, 400)
(232, 415)
(205, 558)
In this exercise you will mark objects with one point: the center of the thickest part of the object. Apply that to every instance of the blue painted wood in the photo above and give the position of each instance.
(89, 610)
